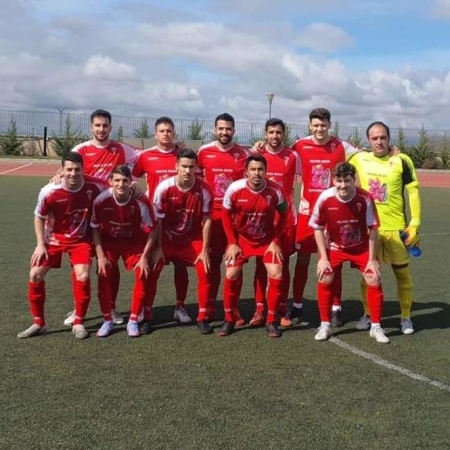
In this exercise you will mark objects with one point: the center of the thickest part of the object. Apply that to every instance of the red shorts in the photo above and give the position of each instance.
(304, 240)
(130, 252)
(248, 251)
(79, 253)
(219, 241)
(186, 254)
(357, 260)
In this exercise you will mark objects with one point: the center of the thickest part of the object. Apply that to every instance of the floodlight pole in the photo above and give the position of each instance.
(270, 97)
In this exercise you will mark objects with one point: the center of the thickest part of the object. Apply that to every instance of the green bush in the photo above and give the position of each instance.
(68, 140)
(10, 143)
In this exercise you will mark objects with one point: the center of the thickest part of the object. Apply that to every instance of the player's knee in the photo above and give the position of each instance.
(372, 279)
(327, 279)
(36, 275)
(233, 273)
(82, 276)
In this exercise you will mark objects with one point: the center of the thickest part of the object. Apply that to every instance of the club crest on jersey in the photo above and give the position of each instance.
(89, 194)
(114, 149)
(286, 160)
(333, 147)
(359, 207)
(269, 199)
(132, 209)
(236, 156)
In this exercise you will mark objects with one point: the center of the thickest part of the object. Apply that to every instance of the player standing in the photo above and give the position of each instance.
(251, 207)
(221, 163)
(386, 177)
(157, 164)
(183, 206)
(348, 214)
(61, 224)
(122, 226)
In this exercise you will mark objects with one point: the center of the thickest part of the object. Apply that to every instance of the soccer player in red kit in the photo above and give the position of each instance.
(100, 155)
(61, 224)
(221, 163)
(283, 165)
(183, 206)
(156, 164)
(348, 214)
(122, 226)
(251, 207)
(319, 154)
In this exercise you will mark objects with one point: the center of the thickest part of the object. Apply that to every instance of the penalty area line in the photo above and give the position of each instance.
(16, 168)
(387, 365)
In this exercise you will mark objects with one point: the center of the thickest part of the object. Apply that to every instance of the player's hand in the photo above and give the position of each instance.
(103, 264)
(144, 266)
(157, 257)
(40, 252)
(373, 266)
(56, 179)
(232, 254)
(204, 256)
(394, 150)
(277, 254)
(323, 268)
(259, 147)
(180, 144)
(413, 236)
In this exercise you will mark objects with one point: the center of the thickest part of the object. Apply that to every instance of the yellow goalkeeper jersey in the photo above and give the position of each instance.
(385, 178)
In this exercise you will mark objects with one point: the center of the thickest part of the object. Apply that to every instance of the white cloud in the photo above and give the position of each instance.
(441, 9)
(323, 37)
(105, 68)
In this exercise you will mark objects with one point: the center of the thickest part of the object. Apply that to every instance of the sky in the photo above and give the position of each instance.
(364, 60)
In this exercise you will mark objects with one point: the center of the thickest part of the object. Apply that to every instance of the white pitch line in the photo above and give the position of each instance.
(17, 168)
(387, 365)
(435, 234)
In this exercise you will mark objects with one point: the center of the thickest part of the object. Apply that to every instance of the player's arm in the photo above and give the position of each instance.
(323, 264)
(102, 261)
(373, 265)
(206, 239)
(40, 252)
(233, 249)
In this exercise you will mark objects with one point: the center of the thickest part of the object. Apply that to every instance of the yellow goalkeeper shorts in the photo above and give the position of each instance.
(391, 248)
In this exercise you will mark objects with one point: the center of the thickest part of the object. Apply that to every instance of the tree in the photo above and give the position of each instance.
(422, 153)
(401, 141)
(68, 140)
(336, 130)
(143, 132)
(355, 138)
(119, 134)
(196, 131)
(288, 139)
(10, 143)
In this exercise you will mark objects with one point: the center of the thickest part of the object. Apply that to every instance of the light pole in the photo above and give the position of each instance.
(270, 100)
(61, 110)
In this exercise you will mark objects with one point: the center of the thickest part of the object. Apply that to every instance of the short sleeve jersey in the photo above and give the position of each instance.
(347, 222)
(155, 165)
(318, 162)
(132, 220)
(282, 168)
(100, 161)
(385, 179)
(182, 211)
(220, 168)
(254, 212)
(67, 212)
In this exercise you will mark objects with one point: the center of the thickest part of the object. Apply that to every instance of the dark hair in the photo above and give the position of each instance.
(381, 124)
(225, 117)
(344, 169)
(256, 157)
(187, 153)
(122, 169)
(164, 120)
(274, 123)
(72, 157)
(320, 113)
(101, 113)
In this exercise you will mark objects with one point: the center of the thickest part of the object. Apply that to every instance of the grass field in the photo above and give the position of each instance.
(176, 389)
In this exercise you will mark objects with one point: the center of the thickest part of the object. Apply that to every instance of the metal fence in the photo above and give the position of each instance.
(32, 123)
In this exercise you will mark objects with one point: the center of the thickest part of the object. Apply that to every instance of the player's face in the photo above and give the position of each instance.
(224, 132)
(256, 174)
(101, 128)
(186, 170)
(345, 186)
(73, 174)
(320, 129)
(379, 140)
(164, 134)
(121, 185)
(275, 136)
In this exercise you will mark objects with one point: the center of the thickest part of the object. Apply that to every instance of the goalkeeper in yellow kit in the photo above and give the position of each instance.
(386, 178)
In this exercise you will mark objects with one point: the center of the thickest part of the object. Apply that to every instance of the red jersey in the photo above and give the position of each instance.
(254, 212)
(317, 164)
(182, 211)
(132, 220)
(68, 212)
(100, 161)
(155, 165)
(220, 168)
(282, 168)
(346, 222)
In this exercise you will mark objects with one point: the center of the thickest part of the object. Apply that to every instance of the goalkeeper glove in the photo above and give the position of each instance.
(413, 236)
